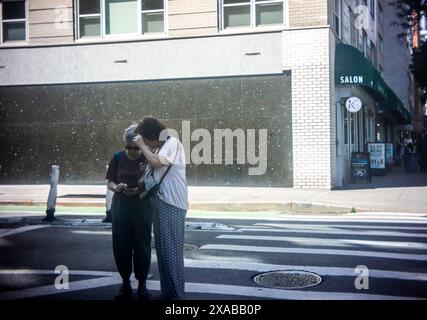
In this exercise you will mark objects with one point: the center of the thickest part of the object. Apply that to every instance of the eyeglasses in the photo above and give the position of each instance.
(131, 148)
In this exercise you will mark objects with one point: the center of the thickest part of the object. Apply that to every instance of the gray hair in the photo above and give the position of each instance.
(129, 133)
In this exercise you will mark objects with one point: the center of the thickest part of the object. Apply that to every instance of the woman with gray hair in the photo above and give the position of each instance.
(131, 217)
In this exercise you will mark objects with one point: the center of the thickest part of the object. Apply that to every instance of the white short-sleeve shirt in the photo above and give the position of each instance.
(173, 190)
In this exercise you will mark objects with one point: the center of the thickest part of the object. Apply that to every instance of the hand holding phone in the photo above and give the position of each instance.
(130, 191)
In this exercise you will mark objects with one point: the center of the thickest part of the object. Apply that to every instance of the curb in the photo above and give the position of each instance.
(284, 207)
(58, 203)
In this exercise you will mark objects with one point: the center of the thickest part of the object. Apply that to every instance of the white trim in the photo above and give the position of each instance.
(94, 15)
(241, 4)
(153, 11)
(252, 14)
(166, 18)
(286, 13)
(102, 10)
(139, 17)
(266, 2)
(14, 20)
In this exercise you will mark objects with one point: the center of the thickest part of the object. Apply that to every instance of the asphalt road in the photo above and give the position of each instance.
(222, 262)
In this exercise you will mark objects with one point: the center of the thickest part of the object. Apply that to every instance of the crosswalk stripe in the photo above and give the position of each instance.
(390, 214)
(329, 226)
(50, 289)
(316, 218)
(241, 266)
(330, 242)
(323, 271)
(207, 288)
(360, 253)
(340, 232)
(10, 232)
(51, 272)
(259, 292)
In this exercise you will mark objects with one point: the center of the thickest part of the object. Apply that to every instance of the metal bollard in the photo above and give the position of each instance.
(108, 199)
(53, 192)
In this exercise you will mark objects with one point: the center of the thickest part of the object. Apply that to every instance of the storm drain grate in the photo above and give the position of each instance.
(288, 279)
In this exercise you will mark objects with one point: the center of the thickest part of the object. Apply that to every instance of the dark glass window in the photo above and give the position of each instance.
(89, 7)
(13, 10)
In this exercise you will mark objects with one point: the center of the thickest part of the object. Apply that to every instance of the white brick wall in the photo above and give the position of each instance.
(308, 54)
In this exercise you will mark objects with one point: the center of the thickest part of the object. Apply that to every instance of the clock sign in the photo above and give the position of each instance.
(353, 104)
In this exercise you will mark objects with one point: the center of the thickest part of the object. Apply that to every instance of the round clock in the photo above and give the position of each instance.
(353, 104)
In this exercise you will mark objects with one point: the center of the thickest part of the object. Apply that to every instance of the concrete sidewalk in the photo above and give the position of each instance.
(374, 197)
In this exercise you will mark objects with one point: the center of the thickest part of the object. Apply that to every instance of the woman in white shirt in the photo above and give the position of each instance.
(169, 204)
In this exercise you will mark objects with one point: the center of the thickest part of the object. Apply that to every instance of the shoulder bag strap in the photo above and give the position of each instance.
(167, 170)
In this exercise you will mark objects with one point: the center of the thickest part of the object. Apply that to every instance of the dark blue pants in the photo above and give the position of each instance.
(132, 221)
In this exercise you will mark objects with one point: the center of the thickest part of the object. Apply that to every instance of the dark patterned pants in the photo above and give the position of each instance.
(132, 221)
(169, 230)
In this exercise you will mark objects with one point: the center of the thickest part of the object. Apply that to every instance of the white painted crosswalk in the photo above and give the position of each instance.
(395, 241)
(394, 252)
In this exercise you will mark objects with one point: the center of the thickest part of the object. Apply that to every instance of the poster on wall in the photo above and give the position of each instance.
(377, 156)
(389, 154)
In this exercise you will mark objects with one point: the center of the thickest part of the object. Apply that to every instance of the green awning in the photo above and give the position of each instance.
(352, 68)
(394, 109)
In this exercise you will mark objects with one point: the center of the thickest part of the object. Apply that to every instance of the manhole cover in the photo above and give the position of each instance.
(288, 279)
(190, 247)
